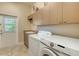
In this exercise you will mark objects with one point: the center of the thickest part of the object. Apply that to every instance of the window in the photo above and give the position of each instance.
(8, 23)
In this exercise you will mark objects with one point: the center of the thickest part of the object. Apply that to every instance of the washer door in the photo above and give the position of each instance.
(47, 52)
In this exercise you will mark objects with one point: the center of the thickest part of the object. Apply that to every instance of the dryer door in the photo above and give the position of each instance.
(47, 52)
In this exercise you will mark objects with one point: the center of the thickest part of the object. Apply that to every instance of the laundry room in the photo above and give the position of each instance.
(39, 28)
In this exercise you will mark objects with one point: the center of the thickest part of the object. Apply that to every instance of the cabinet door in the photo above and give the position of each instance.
(71, 12)
(50, 14)
(45, 15)
(37, 18)
(55, 12)
(33, 46)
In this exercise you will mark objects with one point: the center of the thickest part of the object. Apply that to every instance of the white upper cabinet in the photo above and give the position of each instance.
(71, 12)
(57, 13)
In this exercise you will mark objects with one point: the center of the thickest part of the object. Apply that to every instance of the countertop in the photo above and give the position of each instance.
(65, 41)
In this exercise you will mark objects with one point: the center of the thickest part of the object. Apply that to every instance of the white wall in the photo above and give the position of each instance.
(71, 30)
(21, 11)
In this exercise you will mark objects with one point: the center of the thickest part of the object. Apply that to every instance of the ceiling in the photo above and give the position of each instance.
(26, 3)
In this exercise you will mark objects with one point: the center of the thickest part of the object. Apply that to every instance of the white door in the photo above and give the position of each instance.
(8, 31)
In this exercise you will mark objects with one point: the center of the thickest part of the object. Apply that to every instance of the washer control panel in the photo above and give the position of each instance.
(60, 46)
(51, 44)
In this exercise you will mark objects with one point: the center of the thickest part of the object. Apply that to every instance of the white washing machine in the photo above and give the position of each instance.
(53, 49)
(46, 50)
(57, 45)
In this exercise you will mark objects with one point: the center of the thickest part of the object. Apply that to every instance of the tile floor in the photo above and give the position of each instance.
(19, 50)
